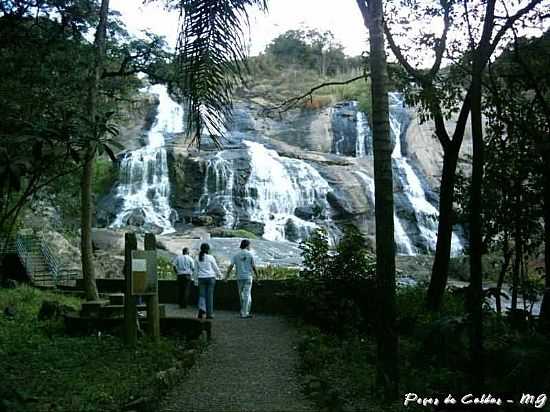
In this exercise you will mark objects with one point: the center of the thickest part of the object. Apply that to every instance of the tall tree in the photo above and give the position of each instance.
(387, 340)
(442, 93)
(88, 270)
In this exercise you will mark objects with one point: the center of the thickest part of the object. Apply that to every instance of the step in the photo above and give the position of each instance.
(92, 308)
(115, 298)
(113, 311)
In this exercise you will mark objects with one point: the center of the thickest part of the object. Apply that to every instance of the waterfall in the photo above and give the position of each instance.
(218, 189)
(402, 241)
(362, 127)
(269, 190)
(276, 187)
(144, 184)
(426, 214)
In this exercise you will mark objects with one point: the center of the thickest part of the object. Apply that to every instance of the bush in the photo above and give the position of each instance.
(105, 176)
(271, 272)
(165, 270)
(240, 233)
(334, 284)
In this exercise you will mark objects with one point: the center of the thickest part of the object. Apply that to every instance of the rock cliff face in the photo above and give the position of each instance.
(282, 176)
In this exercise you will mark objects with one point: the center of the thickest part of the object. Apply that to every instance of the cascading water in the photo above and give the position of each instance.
(413, 191)
(402, 241)
(144, 184)
(362, 128)
(218, 189)
(426, 215)
(270, 191)
(276, 187)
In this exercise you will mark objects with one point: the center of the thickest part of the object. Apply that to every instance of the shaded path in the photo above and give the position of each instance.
(249, 366)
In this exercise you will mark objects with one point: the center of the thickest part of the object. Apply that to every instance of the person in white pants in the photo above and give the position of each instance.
(244, 265)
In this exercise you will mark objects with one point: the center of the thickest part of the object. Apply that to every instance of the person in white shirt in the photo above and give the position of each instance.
(244, 265)
(183, 266)
(206, 271)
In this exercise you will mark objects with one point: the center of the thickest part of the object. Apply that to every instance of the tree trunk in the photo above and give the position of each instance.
(387, 340)
(475, 296)
(440, 267)
(88, 272)
(507, 255)
(518, 248)
(545, 306)
(86, 249)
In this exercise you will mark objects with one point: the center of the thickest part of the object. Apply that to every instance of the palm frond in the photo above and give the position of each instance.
(211, 58)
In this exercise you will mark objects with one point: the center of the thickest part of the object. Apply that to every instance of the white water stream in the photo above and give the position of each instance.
(144, 183)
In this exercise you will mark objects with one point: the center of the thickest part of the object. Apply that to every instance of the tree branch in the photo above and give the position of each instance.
(511, 21)
(415, 73)
(290, 103)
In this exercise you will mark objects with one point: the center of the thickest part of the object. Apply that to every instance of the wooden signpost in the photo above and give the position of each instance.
(140, 273)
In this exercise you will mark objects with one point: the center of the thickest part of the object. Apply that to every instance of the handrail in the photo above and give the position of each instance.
(29, 246)
(51, 260)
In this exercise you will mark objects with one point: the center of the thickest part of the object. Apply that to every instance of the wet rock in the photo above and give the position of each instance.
(107, 209)
(291, 231)
(255, 227)
(304, 212)
(202, 220)
(136, 218)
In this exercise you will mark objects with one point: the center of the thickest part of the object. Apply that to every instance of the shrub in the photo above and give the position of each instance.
(164, 269)
(334, 284)
(271, 272)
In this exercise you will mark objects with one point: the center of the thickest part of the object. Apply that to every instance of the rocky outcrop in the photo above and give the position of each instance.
(134, 119)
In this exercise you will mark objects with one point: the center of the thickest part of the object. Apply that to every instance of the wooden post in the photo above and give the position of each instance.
(153, 315)
(130, 310)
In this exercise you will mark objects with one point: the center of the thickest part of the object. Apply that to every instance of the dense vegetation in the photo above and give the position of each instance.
(44, 370)
(60, 93)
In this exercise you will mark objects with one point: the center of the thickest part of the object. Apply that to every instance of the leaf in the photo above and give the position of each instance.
(211, 56)
(116, 144)
(110, 152)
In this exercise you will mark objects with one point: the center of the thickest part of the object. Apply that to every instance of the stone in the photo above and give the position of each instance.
(202, 220)
(136, 218)
(255, 227)
(304, 212)
(291, 231)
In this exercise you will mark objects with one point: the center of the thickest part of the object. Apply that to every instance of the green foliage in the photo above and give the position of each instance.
(334, 284)
(165, 270)
(105, 176)
(211, 56)
(46, 66)
(271, 272)
(240, 233)
(43, 370)
(339, 372)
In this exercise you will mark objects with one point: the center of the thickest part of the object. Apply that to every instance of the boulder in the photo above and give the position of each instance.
(255, 227)
(136, 218)
(291, 231)
(203, 220)
(304, 212)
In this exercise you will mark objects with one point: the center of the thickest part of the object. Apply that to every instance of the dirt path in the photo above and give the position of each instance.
(249, 366)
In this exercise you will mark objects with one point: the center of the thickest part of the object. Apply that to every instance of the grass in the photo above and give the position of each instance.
(240, 233)
(41, 369)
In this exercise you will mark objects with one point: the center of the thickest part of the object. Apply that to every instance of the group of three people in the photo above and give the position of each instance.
(204, 270)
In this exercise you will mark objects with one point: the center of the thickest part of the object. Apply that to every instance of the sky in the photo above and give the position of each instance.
(341, 17)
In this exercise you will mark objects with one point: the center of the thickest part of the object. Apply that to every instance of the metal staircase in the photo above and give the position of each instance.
(41, 265)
